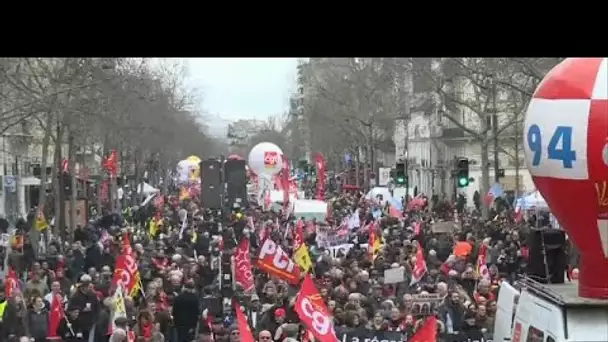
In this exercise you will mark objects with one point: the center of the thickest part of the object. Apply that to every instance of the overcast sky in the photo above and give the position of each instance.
(243, 88)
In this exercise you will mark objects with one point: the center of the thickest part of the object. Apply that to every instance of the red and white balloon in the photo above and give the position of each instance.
(566, 148)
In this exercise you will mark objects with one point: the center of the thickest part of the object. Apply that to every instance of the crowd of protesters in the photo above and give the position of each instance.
(68, 294)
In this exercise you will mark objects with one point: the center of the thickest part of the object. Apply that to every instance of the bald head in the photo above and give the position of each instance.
(264, 336)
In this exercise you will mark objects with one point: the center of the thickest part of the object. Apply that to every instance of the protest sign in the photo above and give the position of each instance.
(425, 304)
(394, 275)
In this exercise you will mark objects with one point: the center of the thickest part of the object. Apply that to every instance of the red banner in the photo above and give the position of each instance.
(126, 270)
(320, 164)
(274, 261)
(242, 264)
(312, 311)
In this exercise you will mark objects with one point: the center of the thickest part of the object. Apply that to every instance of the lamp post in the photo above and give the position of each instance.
(18, 146)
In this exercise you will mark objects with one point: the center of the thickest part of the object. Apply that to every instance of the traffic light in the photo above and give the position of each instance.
(400, 175)
(462, 172)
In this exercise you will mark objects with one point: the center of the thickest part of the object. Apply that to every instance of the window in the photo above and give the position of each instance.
(535, 335)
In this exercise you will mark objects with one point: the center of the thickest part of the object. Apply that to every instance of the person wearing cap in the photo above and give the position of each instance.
(254, 311)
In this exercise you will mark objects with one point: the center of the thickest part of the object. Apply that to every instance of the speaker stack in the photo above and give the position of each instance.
(235, 175)
(211, 184)
(547, 245)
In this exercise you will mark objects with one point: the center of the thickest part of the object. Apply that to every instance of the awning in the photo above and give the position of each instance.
(29, 181)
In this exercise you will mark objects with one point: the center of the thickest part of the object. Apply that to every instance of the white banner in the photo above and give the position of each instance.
(384, 176)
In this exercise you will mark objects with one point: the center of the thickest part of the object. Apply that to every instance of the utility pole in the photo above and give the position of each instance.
(407, 87)
(517, 136)
(73, 183)
(495, 130)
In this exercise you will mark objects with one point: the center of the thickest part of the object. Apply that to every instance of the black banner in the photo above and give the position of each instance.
(367, 335)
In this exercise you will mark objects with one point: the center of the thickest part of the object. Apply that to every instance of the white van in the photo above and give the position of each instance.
(549, 313)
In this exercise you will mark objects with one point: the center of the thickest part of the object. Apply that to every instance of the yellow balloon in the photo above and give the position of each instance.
(194, 159)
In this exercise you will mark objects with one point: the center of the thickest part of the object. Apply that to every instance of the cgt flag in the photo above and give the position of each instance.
(312, 311)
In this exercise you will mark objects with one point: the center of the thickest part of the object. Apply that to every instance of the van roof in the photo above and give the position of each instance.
(561, 294)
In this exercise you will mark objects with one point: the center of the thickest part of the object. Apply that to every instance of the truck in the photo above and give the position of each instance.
(529, 311)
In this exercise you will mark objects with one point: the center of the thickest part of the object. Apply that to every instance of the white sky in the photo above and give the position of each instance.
(243, 88)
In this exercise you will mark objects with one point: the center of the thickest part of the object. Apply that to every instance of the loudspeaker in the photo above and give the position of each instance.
(554, 242)
(236, 182)
(211, 184)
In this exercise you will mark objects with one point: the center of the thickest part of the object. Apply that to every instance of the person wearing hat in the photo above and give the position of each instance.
(87, 302)
(71, 327)
(254, 311)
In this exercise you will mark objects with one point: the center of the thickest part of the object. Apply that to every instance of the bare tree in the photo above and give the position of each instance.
(144, 112)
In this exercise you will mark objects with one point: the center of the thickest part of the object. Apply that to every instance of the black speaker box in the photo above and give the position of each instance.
(554, 241)
(211, 184)
(236, 182)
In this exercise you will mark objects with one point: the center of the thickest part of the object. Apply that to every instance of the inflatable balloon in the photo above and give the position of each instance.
(566, 149)
(194, 159)
(235, 157)
(188, 171)
(265, 159)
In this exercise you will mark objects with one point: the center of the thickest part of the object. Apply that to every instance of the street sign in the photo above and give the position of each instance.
(384, 176)
(10, 183)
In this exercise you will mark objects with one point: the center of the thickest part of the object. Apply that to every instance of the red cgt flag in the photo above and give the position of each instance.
(312, 311)
(242, 261)
(427, 332)
(241, 321)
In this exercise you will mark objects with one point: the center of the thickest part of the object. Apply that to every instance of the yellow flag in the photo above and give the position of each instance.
(41, 223)
(378, 244)
(152, 228)
(194, 237)
(302, 258)
(184, 194)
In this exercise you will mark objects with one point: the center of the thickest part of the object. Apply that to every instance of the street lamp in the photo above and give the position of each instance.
(18, 144)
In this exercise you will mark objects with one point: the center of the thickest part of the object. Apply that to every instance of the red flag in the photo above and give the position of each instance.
(55, 317)
(427, 332)
(298, 235)
(312, 311)
(241, 321)
(417, 228)
(242, 263)
(320, 164)
(394, 212)
(65, 166)
(420, 267)
(12, 283)
(126, 269)
(111, 163)
(274, 261)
